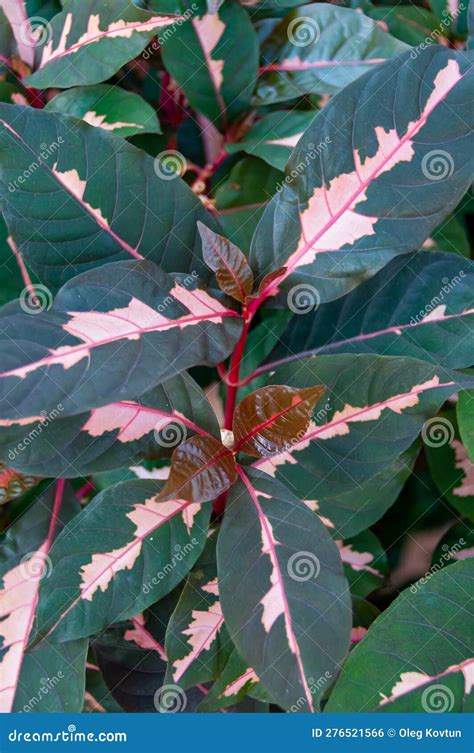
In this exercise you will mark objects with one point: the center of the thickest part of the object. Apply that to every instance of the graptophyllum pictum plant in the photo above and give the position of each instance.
(237, 289)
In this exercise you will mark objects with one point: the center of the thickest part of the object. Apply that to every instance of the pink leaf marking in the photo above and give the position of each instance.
(146, 517)
(357, 560)
(97, 328)
(17, 17)
(143, 638)
(133, 420)
(274, 602)
(234, 687)
(209, 30)
(94, 34)
(313, 505)
(412, 680)
(331, 219)
(339, 424)
(202, 632)
(18, 603)
(296, 64)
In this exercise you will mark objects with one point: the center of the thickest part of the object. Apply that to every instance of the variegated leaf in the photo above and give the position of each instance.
(274, 136)
(372, 412)
(451, 467)
(108, 107)
(235, 682)
(25, 563)
(416, 656)
(90, 40)
(283, 599)
(125, 550)
(111, 334)
(365, 562)
(197, 642)
(363, 185)
(118, 434)
(421, 305)
(320, 49)
(224, 49)
(75, 197)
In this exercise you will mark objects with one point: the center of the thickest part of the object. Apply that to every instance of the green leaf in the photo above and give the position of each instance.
(456, 544)
(75, 197)
(319, 49)
(223, 50)
(372, 412)
(283, 600)
(366, 183)
(465, 418)
(412, 24)
(129, 314)
(420, 305)
(415, 656)
(125, 550)
(241, 199)
(88, 43)
(274, 136)
(108, 107)
(451, 468)
(115, 435)
(40, 678)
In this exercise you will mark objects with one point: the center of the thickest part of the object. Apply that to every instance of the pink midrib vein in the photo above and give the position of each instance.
(349, 419)
(137, 27)
(103, 225)
(137, 540)
(363, 185)
(289, 66)
(275, 563)
(126, 336)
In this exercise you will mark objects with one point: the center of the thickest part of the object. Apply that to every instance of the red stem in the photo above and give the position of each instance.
(58, 498)
(233, 376)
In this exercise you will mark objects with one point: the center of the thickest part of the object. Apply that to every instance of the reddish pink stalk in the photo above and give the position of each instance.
(58, 498)
(23, 270)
